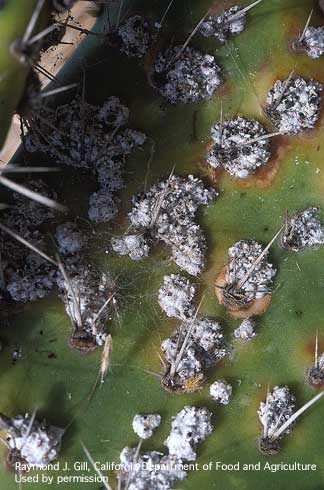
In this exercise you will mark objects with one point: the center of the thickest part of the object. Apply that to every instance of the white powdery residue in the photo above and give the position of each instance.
(28, 276)
(205, 347)
(189, 255)
(94, 138)
(156, 470)
(175, 296)
(110, 175)
(294, 105)
(144, 425)
(208, 336)
(83, 135)
(85, 294)
(316, 372)
(149, 470)
(320, 361)
(242, 255)
(70, 240)
(246, 330)
(222, 27)
(303, 230)
(37, 443)
(26, 213)
(230, 148)
(167, 211)
(135, 36)
(189, 427)
(79, 133)
(33, 282)
(313, 42)
(189, 366)
(102, 206)
(278, 408)
(221, 392)
(114, 113)
(135, 246)
(185, 75)
(126, 141)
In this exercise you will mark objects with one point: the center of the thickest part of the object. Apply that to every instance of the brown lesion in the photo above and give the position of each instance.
(177, 386)
(218, 8)
(82, 342)
(236, 308)
(268, 446)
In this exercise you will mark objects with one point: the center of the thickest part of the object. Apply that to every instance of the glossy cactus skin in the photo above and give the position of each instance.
(282, 351)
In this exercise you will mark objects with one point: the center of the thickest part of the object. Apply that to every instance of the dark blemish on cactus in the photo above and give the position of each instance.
(299, 313)
(16, 354)
(194, 136)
